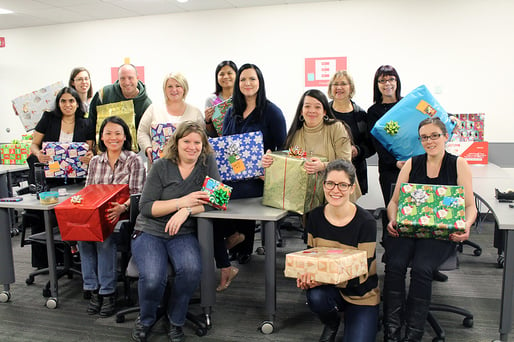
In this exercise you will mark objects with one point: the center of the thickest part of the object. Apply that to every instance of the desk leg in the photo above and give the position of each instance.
(507, 286)
(207, 285)
(270, 267)
(6, 256)
(52, 268)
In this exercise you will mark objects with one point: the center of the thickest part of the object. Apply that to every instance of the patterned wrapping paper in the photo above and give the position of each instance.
(83, 217)
(219, 193)
(66, 159)
(15, 153)
(327, 265)
(123, 109)
(160, 134)
(218, 116)
(468, 140)
(288, 186)
(397, 130)
(430, 211)
(239, 156)
(30, 107)
(471, 129)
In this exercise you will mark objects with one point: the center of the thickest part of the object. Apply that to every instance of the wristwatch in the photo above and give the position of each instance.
(189, 210)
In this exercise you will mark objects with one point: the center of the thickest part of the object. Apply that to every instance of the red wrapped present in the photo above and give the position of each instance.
(83, 217)
(219, 193)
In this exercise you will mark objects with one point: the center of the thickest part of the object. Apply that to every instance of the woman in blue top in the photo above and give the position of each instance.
(251, 112)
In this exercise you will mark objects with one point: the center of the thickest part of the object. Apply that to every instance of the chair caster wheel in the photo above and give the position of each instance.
(5, 296)
(260, 251)
(201, 332)
(266, 327)
(29, 280)
(51, 303)
(468, 322)
(477, 252)
(120, 318)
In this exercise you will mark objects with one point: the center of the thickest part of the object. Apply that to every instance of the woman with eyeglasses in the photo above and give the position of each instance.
(80, 80)
(342, 224)
(424, 256)
(341, 90)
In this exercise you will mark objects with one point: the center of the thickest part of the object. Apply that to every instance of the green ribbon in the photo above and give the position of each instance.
(219, 196)
(392, 128)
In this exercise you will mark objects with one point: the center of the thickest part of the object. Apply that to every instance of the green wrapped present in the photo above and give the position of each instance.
(219, 193)
(288, 186)
(15, 153)
(430, 211)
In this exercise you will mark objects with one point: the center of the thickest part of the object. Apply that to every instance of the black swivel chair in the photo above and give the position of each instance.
(130, 273)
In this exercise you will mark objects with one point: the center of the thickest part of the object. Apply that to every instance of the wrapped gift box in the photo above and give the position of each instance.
(397, 130)
(239, 156)
(30, 107)
(82, 217)
(288, 186)
(327, 265)
(66, 159)
(218, 116)
(430, 211)
(219, 193)
(15, 153)
(123, 109)
(160, 133)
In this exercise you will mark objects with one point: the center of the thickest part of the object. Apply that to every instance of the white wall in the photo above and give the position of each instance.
(462, 47)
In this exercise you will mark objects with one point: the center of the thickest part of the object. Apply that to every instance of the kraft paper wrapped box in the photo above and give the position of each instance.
(327, 265)
(397, 130)
(15, 153)
(218, 116)
(123, 109)
(66, 159)
(82, 217)
(219, 193)
(160, 134)
(430, 211)
(288, 186)
(239, 156)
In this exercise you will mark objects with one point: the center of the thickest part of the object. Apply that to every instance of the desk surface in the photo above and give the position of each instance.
(488, 171)
(30, 201)
(238, 209)
(12, 168)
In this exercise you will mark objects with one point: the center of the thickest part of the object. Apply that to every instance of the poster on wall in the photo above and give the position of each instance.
(318, 70)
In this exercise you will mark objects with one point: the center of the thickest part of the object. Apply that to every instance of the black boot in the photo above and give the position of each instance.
(140, 331)
(107, 308)
(176, 334)
(95, 303)
(331, 322)
(393, 311)
(417, 312)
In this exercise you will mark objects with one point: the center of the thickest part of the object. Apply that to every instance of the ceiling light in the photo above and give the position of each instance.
(4, 11)
(182, 1)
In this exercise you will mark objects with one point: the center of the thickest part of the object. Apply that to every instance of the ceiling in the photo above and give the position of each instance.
(29, 13)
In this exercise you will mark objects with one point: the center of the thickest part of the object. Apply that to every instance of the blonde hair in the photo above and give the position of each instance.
(180, 79)
(341, 74)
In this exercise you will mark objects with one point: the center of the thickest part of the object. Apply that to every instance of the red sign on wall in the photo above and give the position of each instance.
(140, 73)
(2, 42)
(319, 70)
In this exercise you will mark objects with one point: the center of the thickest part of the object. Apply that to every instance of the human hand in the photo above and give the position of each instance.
(306, 281)
(313, 165)
(460, 236)
(87, 157)
(175, 222)
(355, 152)
(43, 158)
(208, 114)
(149, 155)
(267, 159)
(114, 212)
(193, 199)
(391, 229)
(400, 163)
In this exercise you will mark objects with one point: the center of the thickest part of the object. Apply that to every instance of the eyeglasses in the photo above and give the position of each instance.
(85, 79)
(433, 136)
(341, 186)
(342, 84)
(385, 80)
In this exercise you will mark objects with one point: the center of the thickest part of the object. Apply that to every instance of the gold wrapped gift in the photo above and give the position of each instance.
(123, 109)
(328, 265)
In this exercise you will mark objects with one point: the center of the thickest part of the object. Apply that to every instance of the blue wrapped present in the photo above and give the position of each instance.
(397, 130)
(239, 156)
(160, 133)
(66, 159)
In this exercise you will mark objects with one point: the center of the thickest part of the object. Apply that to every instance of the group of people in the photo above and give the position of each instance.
(336, 136)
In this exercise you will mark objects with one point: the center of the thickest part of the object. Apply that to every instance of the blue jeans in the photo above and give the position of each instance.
(152, 254)
(98, 263)
(360, 321)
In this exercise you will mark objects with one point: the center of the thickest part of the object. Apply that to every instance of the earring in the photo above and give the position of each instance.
(325, 117)
(301, 118)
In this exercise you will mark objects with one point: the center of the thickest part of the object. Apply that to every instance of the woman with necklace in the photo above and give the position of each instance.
(342, 224)
(174, 110)
(341, 90)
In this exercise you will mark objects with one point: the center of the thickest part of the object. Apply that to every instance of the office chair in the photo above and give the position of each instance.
(131, 273)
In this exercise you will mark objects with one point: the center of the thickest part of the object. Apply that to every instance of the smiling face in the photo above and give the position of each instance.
(68, 105)
(226, 77)
(174, 91)
(81, 82)
(249, 83)
(128, 81)
(113, 137)
(312, 111)
(433, 139)
(341, 89)
(387, 87)
(336, 197)
(189, 147)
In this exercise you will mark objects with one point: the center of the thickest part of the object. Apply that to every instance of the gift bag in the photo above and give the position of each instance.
(160, 133)
(397, 130)
(239, 156)
(82, 217)
(430, 211)
(123, 109)
(218, 116)
(66, 159)
(219, 193)
(30, 107)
